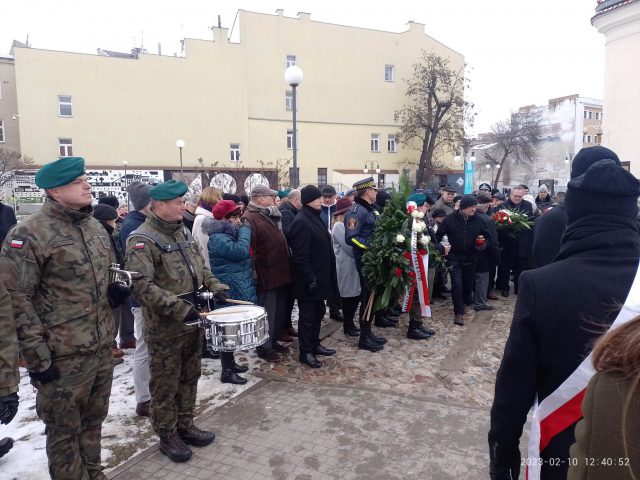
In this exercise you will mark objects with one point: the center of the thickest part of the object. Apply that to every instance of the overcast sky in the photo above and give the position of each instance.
(521, 52)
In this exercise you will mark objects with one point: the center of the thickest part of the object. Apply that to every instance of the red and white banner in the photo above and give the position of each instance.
(420, 267)
(564, 406)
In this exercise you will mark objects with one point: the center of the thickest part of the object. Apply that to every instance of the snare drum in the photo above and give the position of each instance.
(236, 328)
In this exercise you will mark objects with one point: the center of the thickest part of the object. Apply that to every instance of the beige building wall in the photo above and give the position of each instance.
(220, 93)
(9, 106)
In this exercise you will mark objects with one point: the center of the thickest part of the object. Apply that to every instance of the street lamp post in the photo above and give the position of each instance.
(366, 170)
(125, 163)
(294, 76)
(180, 144)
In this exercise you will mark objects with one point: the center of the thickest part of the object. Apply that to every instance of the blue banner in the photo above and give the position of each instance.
(468, 177)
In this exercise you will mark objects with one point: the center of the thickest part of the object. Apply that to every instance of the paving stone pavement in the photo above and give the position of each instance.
(416, 410)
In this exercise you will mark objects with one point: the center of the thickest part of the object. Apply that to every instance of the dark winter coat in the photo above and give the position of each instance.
(130, 223)
(462, 233)
(522, 245)
(544, 204)
(491, 255)
(547, 235)
(230, 257)
(7, 220)
(271, 256)
(561, 309)
(599, 433)
(313, 257)
(288, 212)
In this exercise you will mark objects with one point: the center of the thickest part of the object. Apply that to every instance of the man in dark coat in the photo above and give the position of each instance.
(488, 255)
(7, 220)
(289, 210)
(562, 308)
(550, 226)
(515, 250)
(314, 273)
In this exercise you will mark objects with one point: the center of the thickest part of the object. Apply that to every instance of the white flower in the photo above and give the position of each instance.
(420, 214)
(425, 239)
(418, 226)
(415, 214)
(400, 238)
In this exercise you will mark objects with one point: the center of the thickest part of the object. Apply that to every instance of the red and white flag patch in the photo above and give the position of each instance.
(15, 243)
(139, 245)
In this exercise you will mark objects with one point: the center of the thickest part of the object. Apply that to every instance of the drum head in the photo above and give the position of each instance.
(236, 314)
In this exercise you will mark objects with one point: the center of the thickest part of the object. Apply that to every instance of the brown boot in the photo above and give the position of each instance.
(459, 319)
(143, 409)
(196, 437)
(174, 447)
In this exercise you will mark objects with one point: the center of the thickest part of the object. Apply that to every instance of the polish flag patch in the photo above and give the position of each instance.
(138, 245)
(15, 243)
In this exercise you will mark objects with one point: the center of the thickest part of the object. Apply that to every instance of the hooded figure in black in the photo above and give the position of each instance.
(562, 308)
(550, 226)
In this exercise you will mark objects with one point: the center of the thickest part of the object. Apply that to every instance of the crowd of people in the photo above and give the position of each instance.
(62, 306)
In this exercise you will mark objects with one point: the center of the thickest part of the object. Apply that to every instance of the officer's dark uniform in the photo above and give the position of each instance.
(359, 224)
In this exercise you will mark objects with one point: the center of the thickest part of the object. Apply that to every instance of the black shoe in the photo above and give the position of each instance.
(320, 350)
(395, 310)
(196, 437)
(351, 330)
(392, 319)
(505, 292)
(239, 368)
(483, 307)
(174, 447)
(417, 334)
(378, 340)
(229, 376)
(6, 444)
(459, 319)
(280, 348)
(383, 322)
(310, 359)
(270, 355)
(336, 315)
(426, 330)
(369, 344)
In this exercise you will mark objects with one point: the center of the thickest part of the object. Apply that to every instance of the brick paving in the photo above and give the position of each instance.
(416, 410)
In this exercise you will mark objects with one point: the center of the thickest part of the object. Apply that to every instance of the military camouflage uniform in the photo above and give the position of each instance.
(174, 348)
(56, 269)
(9, 375)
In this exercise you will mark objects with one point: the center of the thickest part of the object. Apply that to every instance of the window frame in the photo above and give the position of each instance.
(393, 73)
(323, 173)
(2, 138)
(392, 138)
(375, 141)
(234, 151)
(68, 147)
(290, 61)
(289, 139)
(288, 101)
(62, 103)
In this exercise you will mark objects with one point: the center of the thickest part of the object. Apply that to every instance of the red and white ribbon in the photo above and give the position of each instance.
(420, 267)
(564, 406)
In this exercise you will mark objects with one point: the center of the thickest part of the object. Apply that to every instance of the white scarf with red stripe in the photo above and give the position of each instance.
(420, 267)
(564, 406)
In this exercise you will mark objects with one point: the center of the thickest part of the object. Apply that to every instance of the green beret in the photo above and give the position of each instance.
(168, 190)
(59, 173)
(283, 192)
(419, 198)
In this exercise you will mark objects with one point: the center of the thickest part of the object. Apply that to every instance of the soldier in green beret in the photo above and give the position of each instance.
(171, 273)
(55, 266)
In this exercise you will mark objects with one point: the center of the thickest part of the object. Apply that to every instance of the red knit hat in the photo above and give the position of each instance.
(224, 209)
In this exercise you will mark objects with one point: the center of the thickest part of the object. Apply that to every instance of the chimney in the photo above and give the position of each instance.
(280, 12)
(416, 27)
(304, 16)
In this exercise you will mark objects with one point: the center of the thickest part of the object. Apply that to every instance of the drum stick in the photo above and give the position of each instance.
(218, 312)
(239, 302)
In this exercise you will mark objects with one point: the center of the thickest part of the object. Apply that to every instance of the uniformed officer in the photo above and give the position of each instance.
(9, 375)
(55, 265)
(171, 272)
(359, 223)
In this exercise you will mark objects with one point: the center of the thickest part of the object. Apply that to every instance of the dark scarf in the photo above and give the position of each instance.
(205, 205)
(596, 235)
(364, 203)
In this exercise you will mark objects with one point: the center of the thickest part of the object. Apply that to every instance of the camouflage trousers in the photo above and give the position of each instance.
(73, 409)
(175, 369)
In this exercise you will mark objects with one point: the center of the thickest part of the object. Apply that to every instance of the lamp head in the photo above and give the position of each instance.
(180, 143)
(293, 76)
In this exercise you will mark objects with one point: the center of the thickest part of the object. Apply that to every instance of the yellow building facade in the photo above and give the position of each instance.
(228, 101)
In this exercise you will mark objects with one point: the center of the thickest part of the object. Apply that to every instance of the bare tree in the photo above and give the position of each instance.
(434, 120)
(10, 162)
(515, 141)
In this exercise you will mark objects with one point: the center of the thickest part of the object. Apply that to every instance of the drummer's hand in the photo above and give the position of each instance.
(192, 316)
(221, 296)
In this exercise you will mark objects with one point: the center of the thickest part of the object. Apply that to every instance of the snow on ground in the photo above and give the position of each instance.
(123, 434)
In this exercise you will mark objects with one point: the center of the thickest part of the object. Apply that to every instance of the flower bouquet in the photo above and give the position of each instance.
(511, 222)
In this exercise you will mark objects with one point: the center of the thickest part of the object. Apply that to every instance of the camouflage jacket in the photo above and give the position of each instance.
(9, 375)
(162, 276)
(55, 266)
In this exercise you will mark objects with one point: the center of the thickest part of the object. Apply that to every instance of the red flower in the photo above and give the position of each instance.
(398, 272)
(412, 274)
(406, 255)
(411, 208)
(422, 251)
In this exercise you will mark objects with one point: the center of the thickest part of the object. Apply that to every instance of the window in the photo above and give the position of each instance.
(234, 151)
(588, 138)
(322, 176)
(584, 139)
(64, 106)
(388, 73)
(290, 139)
(291, 173)
(585, 114)
(1, 131)
(65, 146)
(590, 115)
(291, 60)
(288, 101)
(392, 143)
(375, 142)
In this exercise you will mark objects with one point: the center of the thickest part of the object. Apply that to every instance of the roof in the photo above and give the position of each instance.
(111, 53)
(605, 6)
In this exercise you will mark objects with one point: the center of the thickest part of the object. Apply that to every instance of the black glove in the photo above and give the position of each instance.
(118, 294)
(313, 288)
(221, 296)
(8, 408)
(192, 316)
(48, 376)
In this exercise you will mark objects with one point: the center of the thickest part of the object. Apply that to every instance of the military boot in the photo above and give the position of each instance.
(366, 341)
(382, 321)
(196, 437)
(229, 376)
(239, 368)
(415, 333)
(173, 447)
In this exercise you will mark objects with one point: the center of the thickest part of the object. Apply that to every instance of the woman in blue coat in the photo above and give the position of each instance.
(230, 260)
